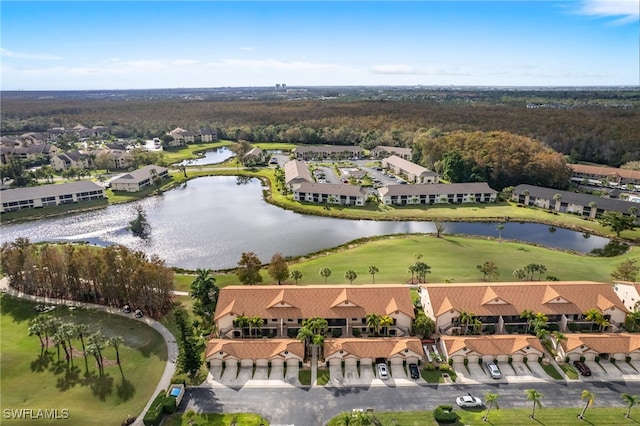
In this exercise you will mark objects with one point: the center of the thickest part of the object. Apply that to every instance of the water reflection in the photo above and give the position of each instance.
(212, 220)
(213, 156)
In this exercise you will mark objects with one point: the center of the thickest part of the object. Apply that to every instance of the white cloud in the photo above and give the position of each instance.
(275, 64)
(21, 55)
(626, 10)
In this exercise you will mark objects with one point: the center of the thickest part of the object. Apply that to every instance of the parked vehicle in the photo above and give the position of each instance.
(126, 309)
(383, 372)
(582, 368)
(138, 313)
(414, 371)
(468, 401)
(494, 371)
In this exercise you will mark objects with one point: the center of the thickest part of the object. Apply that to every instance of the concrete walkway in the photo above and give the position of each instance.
(170, 340)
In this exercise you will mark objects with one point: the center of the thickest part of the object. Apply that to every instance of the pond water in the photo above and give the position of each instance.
(210, 221)
(213, 156)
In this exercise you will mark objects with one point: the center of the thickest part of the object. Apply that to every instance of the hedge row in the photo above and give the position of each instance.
(161, 405)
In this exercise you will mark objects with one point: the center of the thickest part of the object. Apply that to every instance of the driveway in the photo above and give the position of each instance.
(519, 372)
(291, 374)
(351, 376)
(261, 373)
(277, 372)
(229, 375)
(244, 375)
(398, 372)
(366, 374)
(335, 373)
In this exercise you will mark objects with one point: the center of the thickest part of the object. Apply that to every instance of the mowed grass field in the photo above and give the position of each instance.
(595, 416)
(32, 381)
(452, 259)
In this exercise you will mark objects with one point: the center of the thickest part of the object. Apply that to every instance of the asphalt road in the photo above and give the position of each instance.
(314, 406)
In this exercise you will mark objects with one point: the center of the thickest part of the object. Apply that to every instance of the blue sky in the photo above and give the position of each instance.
(133, 45)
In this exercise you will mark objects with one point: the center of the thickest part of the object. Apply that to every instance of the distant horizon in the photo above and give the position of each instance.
(122, 45)
(320, 86)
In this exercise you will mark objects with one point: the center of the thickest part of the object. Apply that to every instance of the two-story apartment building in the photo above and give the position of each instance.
(413, 172)
(295, 173)
(382, 151)
(571, 202)
(499, 306)
(50, 195)
(136, 180)
(66, 160)
(326, 193)
(323, 152)
(454, 193)
(605, 176)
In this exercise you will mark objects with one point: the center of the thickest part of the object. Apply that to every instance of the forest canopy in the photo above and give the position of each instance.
(500, 158)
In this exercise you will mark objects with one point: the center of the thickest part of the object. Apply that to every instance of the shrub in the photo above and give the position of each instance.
(613, 360)
(445, 414)
(597, 358)
(525, 359)
(465, 362)
(444, 367)
(336, 332)
(430, 367)
(356, 332)
(156, 411)
(169, 405)
(628, 358)
(510, 360)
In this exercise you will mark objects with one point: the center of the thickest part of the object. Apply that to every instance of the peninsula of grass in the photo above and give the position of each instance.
(452, 259)
(502, 417)
(33, 379)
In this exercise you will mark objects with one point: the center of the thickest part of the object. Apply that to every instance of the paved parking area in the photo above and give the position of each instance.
(366, 374)
(229, 375)
(351, 376)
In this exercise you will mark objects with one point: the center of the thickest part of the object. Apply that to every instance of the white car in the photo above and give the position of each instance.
(468, 401)
(383, 372)
(494, 371)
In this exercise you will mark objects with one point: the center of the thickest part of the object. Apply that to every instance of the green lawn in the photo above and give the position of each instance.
(502, 417)
(569, 371)
(34, 381)
(551, 371)
(240, 419)
(451, 258)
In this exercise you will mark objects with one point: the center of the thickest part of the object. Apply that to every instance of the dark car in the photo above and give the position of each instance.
(582, 368)
(414, 371)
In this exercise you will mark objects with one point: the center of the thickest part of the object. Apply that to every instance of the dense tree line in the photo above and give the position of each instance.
(603, 135)
(500, 158)
(113, 276)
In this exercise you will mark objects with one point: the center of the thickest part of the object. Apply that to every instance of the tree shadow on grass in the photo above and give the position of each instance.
(125, 390)
(19, 310)
(69, 380)
(42, 362)
(101, 386)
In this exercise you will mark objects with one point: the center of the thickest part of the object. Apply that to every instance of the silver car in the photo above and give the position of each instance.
(468, 401)
(383, 372)
(494, 371)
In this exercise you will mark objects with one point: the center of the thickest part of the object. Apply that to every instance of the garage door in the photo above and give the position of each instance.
(262, 363)
(278, 362)
(215, 363)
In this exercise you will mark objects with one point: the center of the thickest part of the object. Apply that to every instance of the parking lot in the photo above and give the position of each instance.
(366, 374)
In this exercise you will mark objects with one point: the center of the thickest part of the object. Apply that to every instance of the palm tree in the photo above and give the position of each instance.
(324, 273)
(373, 271)
(490, 399)
(632, 320)
(594, 315)
(256, 322)
(350, 275)
(67, 331)
(81, 330)
(499, 228)
(36, 327)
(412, 270)
(534, 396)
(630, 400)
(385, 322)
(466, 318)
(96, 342)
(528, 315)
(116, 341)
(373, 321)
(241, 322)
(557, 198)
(588, 397)
(519, 273)
(296, 275)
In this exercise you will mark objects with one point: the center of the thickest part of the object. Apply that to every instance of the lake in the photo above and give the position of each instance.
(210, 221)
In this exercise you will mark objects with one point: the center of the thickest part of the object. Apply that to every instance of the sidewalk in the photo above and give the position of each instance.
(170, 340)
